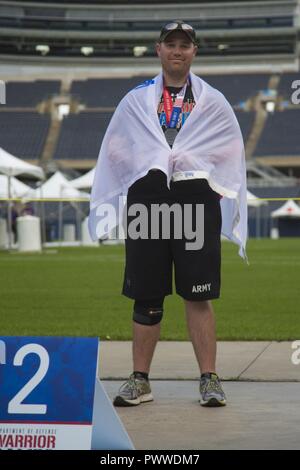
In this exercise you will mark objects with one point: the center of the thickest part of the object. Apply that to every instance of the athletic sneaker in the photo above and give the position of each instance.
(134, 391)
(211, 390)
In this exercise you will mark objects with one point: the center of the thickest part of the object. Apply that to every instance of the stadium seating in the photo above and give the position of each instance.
(280, 136)
(29, 94)
(81, 135)
(246, 120)
(104, 92)
(108, 91)
(285, 89)
(238, 88)
(24, 133)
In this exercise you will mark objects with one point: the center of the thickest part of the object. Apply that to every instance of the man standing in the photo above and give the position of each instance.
(179, 144)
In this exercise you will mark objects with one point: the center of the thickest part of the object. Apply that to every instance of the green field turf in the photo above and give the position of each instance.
(76, 291)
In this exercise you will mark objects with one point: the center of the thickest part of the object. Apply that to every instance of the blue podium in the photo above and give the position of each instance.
(51, 398)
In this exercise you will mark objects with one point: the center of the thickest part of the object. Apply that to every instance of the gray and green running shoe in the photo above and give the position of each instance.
(211, 391)
(133, 392)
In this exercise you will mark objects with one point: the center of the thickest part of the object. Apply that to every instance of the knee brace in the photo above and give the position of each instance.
(148, 312)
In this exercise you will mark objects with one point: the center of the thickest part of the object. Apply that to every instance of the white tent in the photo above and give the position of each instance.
(13, 166)
(85, 181)
(289, 209)
(254, 201)
(17, 188)
(56, 187)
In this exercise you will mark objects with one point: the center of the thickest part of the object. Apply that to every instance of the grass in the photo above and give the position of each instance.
(76, 291)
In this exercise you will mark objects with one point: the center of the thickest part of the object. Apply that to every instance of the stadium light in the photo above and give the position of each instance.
(270, 106)
(63, 110)
(139, 51)
(222, 47)
(85, 50)
(42, 48)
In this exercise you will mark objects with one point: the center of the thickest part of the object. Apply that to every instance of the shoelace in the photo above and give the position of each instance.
(212, 385)
(130, 383)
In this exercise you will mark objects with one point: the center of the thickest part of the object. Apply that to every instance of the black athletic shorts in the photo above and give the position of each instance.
(148, 270)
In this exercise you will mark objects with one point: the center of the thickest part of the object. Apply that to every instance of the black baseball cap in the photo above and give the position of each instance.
(177, 25)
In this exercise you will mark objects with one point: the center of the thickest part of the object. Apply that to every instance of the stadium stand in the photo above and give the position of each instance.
(108, 92)
(258, 28)
(285, 84)
(30, 94)
(81, 135)
(280, 136)
(246, 120)
(103, 92)
(24, 133)
(238, 87)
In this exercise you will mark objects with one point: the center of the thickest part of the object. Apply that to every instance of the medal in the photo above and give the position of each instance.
(170, 135)
(172, 112)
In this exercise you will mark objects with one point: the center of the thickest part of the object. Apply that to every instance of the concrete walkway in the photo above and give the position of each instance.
(175, 360)
(260, 381)
(259, 415)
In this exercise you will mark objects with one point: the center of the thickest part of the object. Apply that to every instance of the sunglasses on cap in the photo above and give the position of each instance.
(177, 26)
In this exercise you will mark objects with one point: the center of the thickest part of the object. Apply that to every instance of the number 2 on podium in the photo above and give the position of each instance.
(15, 405)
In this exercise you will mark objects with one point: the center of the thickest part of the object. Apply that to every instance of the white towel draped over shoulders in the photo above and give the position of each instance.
(210, 142)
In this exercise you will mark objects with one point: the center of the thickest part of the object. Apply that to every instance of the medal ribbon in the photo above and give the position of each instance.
(172, 111)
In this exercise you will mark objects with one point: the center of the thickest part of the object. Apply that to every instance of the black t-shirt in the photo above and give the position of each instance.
(188, 104)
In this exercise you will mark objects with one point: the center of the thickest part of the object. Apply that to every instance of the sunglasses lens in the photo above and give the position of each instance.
(178, 26)
(170, 26)
(187, 27)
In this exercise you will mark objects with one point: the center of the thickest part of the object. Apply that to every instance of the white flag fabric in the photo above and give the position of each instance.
(209, 145)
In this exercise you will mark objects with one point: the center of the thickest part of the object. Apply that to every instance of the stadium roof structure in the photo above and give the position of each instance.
(86, 33)
(289, 209)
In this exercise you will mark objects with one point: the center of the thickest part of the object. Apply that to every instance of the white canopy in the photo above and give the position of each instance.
(254, 201)
(12, 166)
(56, 187)
(17, 188)
(84, 181)
(289, 209)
